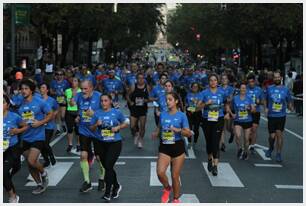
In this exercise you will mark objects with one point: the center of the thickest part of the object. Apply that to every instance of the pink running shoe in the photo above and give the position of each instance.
(165, 196)
(176, 201)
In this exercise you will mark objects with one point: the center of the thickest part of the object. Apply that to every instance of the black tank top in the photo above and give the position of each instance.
(139, 95)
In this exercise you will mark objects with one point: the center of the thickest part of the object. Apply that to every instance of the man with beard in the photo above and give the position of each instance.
(277, 98)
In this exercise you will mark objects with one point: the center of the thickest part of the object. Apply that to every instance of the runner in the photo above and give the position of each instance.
(71, 115)
(194, 117)
(12, 126)
(107, 122)
(242, 107)
(112, 86)
(137, 100)
(87, 102)
(36, 114)
(47, 152)
(172, 127)
(228, 123)
(213, 101)
(57, 88)
(256, 94)
(278, 96)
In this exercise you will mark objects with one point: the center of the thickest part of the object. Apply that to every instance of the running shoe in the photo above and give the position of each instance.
(214, 170)
(78, 148)
(136, 138)
(140, 144)
(106, 197)
(252, 149)
(245, 156)
(166, 195)
(45, 179)
(46, 164)
(14, 200)
(223, 147)
(38, 190)
(278, 157)
(209, 165)
(116, 191)
(239, 153)
(176, 201)
(52, 160)
(231, 139)
(86, 187)
(101, 185)
(69, 148)
(268, 153)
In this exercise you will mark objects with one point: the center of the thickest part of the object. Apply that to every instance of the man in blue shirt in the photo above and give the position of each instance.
(277, 98)
(112, 86)
(36, 114)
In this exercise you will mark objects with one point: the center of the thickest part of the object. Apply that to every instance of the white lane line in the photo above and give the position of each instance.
(268, 165)
(262, 154)
(189, 198)
(226, 176)
(296, 187)
(57, 139)
(120, 157)
(287, 130)
(154, 181)
(55, 173)
(191, 154)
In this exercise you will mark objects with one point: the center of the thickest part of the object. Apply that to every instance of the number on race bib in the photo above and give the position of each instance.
(168, 137)
(213, 116)
(277, 107)
(107, 134)
(242, 114)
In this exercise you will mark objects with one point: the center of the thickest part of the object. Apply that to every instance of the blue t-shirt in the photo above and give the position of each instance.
(255, 94)
(54, 106)
(177, 120)
(216, 109)
(192, 100)
(156, 91)
(131, 79)
(36, 109)
(17, 99)
(109, 119)
(277, 98)
(242, 108)
(92, 103)
(12, 120)
(228, 91)
(59, 87)
(112, 85)
(89, 77)
(162, 101)
(175, 76)
(155, 78)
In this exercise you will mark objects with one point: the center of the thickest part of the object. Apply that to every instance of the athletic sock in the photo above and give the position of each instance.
(101, 170)
(85, 169)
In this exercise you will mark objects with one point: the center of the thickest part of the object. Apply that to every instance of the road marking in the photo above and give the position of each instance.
(55, 173)
(295, 187)
(287, 130)
(268, 165)
(189, 198)
(226, 176)
(262, 154)
(191, 154)
(57, 139)
(120, 157)
(154, 181)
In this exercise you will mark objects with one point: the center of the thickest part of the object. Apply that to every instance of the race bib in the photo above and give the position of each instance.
(277, 107)
(107, 134)
(139, 101)
(213, 116)
(28, 116)
(86, 118)
(243, 114)
(6, 144)
(60, 99)
(191, 109)
(168, 138)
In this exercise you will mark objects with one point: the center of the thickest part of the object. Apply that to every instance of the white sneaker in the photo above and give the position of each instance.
(136, 138)
(140, 144)
(14, 200)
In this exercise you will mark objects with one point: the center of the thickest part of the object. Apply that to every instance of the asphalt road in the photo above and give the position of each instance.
(256, 180)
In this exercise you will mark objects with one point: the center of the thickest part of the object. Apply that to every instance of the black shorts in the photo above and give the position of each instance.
(85, 144)
(276, 123)
(70, 122)
(256, 118)
(172, 150)
(37, 144)
(244, 125)
(138, 111)
(62, 104)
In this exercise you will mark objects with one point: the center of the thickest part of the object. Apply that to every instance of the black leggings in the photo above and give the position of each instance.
(212, 132)
(47, 150)
(194, 120)
(11, 165)
(109, 153)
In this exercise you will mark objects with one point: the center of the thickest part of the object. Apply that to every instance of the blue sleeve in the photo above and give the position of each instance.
(185, 123)
(121, 118)
(52, 84)
(55, 105)
(18, 119)
(46, 108)
(152, 93)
